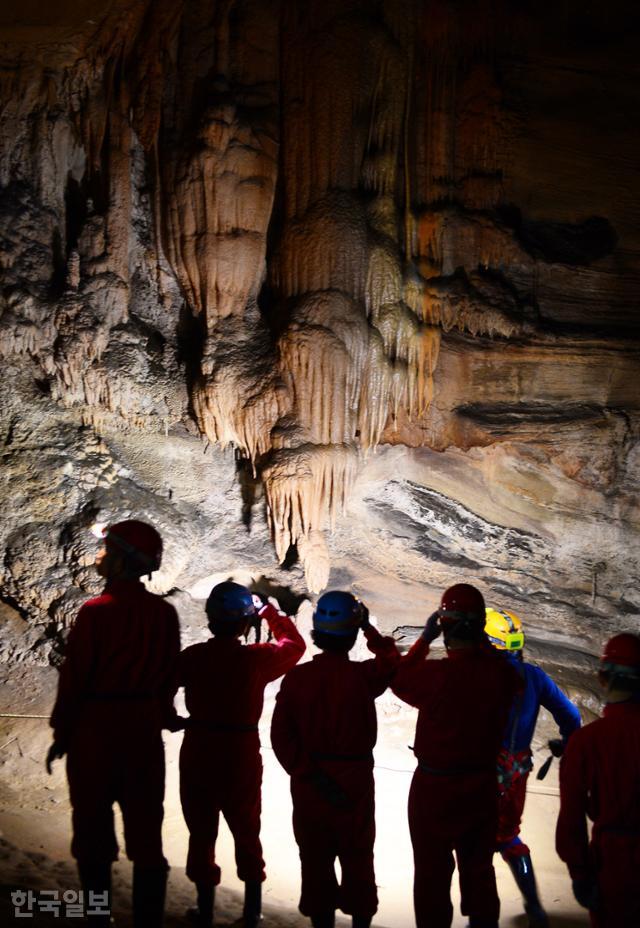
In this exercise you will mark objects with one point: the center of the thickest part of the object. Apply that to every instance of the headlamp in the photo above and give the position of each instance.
(514, 641)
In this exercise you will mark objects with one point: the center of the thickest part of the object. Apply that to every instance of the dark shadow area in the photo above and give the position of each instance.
(59, 263)
(511, 415)
(153, 340)
(250, 488)
(77, 195)
(575, 243)
(488, 280)
(96, 186)
(75, 203)
(190, 334)
(268, 304)
(289, 601)
(555, 921)
(291, 558)
(43, 386)
(270, 301)
(8, 600)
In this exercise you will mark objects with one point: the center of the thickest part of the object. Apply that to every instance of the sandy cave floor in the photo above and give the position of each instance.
(35, 826)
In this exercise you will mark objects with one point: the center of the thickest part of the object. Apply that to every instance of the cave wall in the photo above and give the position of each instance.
(385, 253)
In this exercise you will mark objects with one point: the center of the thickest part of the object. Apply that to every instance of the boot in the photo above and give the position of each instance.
(96, 879)
(360, 921)
(252, 903)
(202, 914)
(524, 876)
(149, 889)
(325, 920)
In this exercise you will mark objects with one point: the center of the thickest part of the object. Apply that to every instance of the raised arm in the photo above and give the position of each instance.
(408, 679)
(387, 658)
(280, 656)
(565, 714)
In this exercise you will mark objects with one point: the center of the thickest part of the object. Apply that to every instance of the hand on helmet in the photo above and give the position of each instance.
(432, 628)
(264, 609)
(268, 611)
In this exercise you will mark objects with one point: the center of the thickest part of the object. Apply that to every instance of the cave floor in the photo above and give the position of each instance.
(35, 828)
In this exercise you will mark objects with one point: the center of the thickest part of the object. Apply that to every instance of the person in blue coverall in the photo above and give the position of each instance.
(504, 631)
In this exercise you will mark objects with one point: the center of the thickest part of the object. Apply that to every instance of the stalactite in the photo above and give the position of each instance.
(352, 352)
(451, 238)
(216, 220)
(314, 320)
(248, 424)
(307, 486)
(314, 556)
(323, 353)
(22, 331)
(214, 214)
(422, 362)
(327, 250)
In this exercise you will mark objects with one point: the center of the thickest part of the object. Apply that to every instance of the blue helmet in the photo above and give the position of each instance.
(338, 613)
(229, 601)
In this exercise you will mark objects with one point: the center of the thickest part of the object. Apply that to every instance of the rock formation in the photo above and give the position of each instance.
(385, 251)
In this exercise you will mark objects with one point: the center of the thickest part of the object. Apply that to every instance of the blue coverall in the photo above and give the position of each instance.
(514, 762)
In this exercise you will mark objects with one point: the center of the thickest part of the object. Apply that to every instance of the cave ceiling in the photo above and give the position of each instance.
(339, 293)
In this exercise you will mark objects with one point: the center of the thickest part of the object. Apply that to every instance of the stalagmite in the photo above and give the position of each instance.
(314, 555)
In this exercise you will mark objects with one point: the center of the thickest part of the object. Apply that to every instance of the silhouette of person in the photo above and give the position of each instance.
(115, 694)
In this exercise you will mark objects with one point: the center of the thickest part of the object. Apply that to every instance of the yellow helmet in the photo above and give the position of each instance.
(504, 630)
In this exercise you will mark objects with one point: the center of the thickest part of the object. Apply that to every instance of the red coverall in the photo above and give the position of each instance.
(220, 762)
(600, 778)
(115, 693)
(323, 732)
(464, 704)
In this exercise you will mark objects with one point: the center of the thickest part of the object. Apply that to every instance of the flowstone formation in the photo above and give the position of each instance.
(303, 232)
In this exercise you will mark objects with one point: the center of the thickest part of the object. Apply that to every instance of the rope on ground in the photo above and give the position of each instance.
(266, 747)
(543, 792)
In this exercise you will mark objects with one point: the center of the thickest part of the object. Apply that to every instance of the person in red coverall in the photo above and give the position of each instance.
(323, 733)
(220, 762)
(600, 779)
(115, 694)
(463, 704)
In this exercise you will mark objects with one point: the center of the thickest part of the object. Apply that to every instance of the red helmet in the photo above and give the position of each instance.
(463, 602)
(138, 539)
(622, 651)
